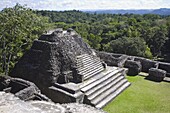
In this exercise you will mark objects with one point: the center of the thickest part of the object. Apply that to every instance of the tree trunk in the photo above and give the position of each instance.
(4, 56)
(7, 65)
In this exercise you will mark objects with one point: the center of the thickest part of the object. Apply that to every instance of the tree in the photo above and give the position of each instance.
(156, 38)
(129, 45)
(18, 28)
(94, 41)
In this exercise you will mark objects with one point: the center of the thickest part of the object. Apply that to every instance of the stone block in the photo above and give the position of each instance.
(156, 74)
(165, 66)
(60, 95)
(134, 67)
(146, 63)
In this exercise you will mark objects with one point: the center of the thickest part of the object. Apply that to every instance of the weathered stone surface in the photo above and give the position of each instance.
(110, 60)
(156, 74)
(81, 108)
(65, 93)
(116, 55)
(4, 82)
(48, 107)
(146, 63)
(51, 59)
(165, 66)
(11, 104)
(134, 67)
(23, 89)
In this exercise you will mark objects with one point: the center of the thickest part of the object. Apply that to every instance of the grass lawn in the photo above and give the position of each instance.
(143, 96)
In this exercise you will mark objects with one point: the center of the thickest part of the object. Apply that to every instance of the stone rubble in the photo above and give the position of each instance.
(11, 104)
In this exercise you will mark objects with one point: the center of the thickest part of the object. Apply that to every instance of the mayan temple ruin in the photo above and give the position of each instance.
(66, 70)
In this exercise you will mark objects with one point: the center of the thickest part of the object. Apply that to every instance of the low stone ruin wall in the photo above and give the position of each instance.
(22, 89)
(146, 63)
(112, 59)
(122, 60)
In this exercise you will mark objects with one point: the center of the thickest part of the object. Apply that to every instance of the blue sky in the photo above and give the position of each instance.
(87, 4)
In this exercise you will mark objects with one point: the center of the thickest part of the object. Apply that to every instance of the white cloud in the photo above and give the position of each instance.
(88, 4)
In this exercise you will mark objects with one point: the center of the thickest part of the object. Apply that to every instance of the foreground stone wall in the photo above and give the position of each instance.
(22, 89)
(11, 104)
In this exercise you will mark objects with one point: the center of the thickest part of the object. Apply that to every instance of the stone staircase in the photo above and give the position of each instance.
(100, 85)
(88, 66)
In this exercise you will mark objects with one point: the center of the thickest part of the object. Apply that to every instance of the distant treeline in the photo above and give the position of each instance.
(161, 11)
(145, 35)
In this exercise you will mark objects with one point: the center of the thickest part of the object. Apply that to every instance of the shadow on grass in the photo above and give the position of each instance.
(147, 77)
(132, 75)
(152, 79)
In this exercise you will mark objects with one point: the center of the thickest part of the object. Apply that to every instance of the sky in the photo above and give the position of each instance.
(87, 4)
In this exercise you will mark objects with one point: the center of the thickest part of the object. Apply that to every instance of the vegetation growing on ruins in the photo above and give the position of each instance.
(142, 96)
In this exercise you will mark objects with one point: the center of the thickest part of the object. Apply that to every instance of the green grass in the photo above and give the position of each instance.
(143, 96)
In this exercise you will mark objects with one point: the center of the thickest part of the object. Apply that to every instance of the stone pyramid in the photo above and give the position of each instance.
(67, 70)
(52, 58)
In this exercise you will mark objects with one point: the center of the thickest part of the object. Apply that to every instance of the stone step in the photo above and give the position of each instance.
(104, 89)
(92, 73)
(112, 96)
(84, 57)
(102, 84)
(89, 69)
(108, 92)
(103, 78)
(88, 57)
(87, 62)
(90, 76)
(88, 66)
(97, 77)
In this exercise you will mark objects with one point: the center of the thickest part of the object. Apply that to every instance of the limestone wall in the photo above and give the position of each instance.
(114, 59)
